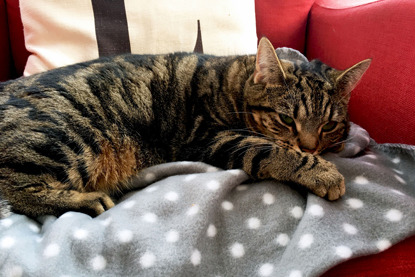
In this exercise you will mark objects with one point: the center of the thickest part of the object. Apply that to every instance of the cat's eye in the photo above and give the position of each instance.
(329, 126)
(287, 120)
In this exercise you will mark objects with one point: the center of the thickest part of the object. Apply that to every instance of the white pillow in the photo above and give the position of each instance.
(59, 33)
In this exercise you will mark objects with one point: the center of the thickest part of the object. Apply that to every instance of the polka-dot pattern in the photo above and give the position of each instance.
(394, 215)
(266, 269)
(201, 219)
(98, 263)
(196, 257)
(51, 250)
(344, 252)
(306, 241)
(316, 210)
(355, 203)
(147, 260)
(227, 206)
(297, 212)
(253, 223)
(237, 250)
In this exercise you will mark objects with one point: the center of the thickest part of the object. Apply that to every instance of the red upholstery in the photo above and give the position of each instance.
(343, 34)
(283, 22)
(340, 33)
(5, 57)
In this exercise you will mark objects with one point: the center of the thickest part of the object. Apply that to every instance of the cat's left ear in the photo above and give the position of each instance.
(268, 67)
(348, 79)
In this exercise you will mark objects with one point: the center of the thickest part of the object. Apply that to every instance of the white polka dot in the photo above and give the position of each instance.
(34, 228)
(361, 180)
(306, 241)
(150, 217)
(125, 236)
(211, 231)
(354, 203)
(172, 236)
(282, 239)
(128, 205)
(150, 177)
(190, 177)
(226, 205)
(400, 180)
(253, 223)
(343, 252)
(98, 263)
(151, 189)
(266, 269)
(213, 185)
(316, 210)
(297, 212)
(14, 271)
(296, 273)
(147, 260)
(106, 222)
(194, 209)
(397, 192)
(196, 257)
(268, 199)
(51, 250)
(7, 222)
(7, 242)
(350, 229)
(171, 196)
(394, 215)
(242, 187)
(383, 244)
(237, 250)
(396, 160)
(80, 234)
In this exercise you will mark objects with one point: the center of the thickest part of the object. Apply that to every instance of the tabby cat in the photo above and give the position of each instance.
(73, 137)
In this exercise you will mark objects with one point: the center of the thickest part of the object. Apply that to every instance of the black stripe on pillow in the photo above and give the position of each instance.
(111, 27)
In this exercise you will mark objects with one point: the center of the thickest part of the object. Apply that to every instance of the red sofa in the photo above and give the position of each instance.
(339, 33)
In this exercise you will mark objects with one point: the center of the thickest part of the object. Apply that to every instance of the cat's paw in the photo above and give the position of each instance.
(94, 203)
(325, 181)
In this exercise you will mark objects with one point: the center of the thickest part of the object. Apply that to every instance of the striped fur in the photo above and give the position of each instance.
(72, 138)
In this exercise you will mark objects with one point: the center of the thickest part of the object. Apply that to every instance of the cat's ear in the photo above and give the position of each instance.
(348, 79)
(268, 67)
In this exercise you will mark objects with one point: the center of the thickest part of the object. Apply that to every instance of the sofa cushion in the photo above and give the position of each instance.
(58, 32)
(342, 34)
(283, 22)
(5, 61)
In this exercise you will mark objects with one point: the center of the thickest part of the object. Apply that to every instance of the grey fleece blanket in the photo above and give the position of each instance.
(191, 219)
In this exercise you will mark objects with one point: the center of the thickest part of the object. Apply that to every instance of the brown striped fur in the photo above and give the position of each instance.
(74, 137)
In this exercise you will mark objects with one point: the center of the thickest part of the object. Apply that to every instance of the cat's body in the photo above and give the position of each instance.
(72, 137)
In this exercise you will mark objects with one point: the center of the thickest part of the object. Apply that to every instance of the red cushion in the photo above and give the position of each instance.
(5, 61)
(399, 260)
(343, 34)
(18, 49)
(283, 22)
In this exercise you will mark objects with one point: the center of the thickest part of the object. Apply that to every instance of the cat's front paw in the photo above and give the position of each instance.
(325, 181)
(94, 203)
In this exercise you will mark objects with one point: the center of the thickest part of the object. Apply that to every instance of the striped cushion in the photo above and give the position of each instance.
(59, 33)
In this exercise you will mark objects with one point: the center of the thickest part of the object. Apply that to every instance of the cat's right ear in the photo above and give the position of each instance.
(268, 67)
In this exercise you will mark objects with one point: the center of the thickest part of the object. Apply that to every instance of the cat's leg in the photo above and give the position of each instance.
(35, 199)
(262, 159)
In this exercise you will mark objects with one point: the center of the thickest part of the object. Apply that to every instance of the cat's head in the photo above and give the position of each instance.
(299, 104)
